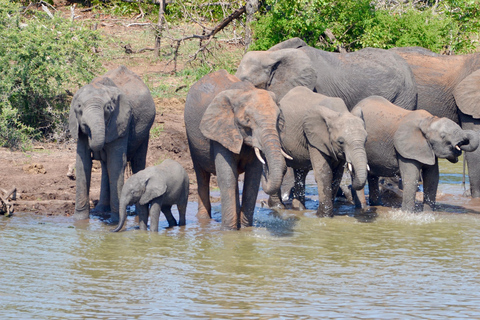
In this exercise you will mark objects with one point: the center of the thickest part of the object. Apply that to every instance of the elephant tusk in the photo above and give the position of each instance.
(368, 168)
(286, 155)
(350, 168)
(259, 156)
(458, 148)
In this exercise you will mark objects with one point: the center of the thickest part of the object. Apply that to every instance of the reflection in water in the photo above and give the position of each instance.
(383, 264)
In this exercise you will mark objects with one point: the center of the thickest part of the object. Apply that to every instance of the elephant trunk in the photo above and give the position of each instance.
(275, 166)
(358, 158)
(124, 202)
(94, 121)
(471, 141)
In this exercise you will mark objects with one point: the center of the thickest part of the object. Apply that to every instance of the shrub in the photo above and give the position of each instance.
(43, 59)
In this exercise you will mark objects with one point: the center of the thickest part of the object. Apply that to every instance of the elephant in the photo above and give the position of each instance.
(408, 144)
(231, 129)
(159, 187)
(449, 86)
(349, 76)
(319, 132)
(111, 117)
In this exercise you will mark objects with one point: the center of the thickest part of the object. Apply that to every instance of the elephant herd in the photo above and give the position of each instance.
(379, 113)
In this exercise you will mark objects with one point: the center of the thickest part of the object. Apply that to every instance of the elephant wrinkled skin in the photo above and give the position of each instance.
(449, 86)
(159, 187)
(409, 143)
(111, 117)
(319, 132)
(349, 76)
(230, 124)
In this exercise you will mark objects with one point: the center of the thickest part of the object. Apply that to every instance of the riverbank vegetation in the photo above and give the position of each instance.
(51, 48)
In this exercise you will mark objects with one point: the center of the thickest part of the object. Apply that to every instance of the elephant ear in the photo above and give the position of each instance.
(358, 112)
(118, 123)
(409, 139)
(154, 187)
(293, 43)
(290, 68)
(467, 95)
(218, 122)
(316, 128)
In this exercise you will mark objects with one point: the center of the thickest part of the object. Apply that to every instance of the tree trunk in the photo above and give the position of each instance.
(251, 8)
(158, 37)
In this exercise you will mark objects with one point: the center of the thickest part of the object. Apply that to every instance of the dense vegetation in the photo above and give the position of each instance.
(45, 58)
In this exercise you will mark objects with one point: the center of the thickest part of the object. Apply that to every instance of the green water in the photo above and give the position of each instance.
(387, 265)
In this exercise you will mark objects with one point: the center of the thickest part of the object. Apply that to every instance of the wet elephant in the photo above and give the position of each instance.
(408, 144)
(111, 117)
(231, 129)
(349, 76)
(319, 132)
(449, 86)
(156, 189)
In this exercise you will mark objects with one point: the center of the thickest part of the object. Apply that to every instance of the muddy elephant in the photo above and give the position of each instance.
(158, 188)
(319, 132)
(449, 86)
(231, 129)
(408, 144)
(349, 76)
(111, 117)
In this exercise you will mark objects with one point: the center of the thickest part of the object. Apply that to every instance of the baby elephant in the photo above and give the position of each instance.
(160, 187)
(407, 143)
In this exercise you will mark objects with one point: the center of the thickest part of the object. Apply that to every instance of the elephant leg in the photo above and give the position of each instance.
(227, 177)
(374, 198)
(473, 159)
(337, 179)
(324, 179)
(253, 175)
(116, 163)
(167, 211)
(298, 201)
(182, 210)
(84, 174)
(103, 204)
(203, 186)
(142, 214)
(139, 159)
(431, 177)
(410, 173)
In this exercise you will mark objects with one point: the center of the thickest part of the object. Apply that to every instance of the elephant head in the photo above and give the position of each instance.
(278, 71)
(423, 137)
(246, 115)
(340, 135)
(142, 187)
(101, 111)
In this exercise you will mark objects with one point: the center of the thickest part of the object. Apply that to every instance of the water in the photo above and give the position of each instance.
(385, 265)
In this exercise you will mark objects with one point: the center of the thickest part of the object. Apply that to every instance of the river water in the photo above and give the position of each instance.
(291, 265)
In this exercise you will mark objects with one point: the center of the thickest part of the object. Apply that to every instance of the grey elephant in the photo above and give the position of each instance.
(449, 86)
(349, 76)
(159, 187)
(408, 144)
(231, 129)
(319, 132)
(111, 117)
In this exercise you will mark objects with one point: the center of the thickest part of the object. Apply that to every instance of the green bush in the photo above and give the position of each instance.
(452, 24)
(42, 61)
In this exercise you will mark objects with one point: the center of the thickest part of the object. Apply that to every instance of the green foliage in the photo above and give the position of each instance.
(452, 24)
(41, 59)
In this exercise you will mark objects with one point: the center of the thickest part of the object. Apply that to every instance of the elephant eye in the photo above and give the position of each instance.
(341, 141)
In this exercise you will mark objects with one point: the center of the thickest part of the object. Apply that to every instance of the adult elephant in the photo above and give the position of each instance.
(111, 117)
(231, 129)
(449, 86)
(319, 132)
(409, 143)
(349, 76)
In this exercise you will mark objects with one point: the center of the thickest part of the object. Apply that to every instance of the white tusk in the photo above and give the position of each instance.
(458, 148)
(350, 168)
(368, 167)
(259, 156)
(286, 155)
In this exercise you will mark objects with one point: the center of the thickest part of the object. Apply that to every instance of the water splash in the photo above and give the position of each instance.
(412, 218)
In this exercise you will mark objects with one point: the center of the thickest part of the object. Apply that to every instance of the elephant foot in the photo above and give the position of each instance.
(81, 215)
(275, 203)
(297, 205)
(203, 215)
(100, 209)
